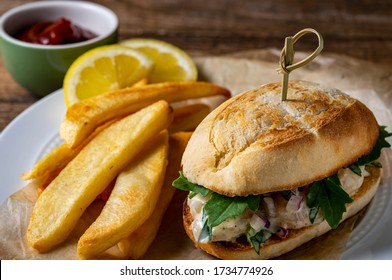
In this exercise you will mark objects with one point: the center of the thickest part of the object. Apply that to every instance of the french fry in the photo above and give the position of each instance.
(54, 161)
(61, 204)
(59, 157)
(131, 202)
(187, 118)
(137, 244)
(83, 117)
(44, 181)
(140, 83)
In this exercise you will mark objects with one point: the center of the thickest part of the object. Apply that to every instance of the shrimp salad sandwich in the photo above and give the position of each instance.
(265, 175)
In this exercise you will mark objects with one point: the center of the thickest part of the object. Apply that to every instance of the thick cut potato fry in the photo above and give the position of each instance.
(61, 204)
(54, 160)
(131, 202)
(141, 83)
(83, 117)
(59, 157)
(187, 118)
(137, 244)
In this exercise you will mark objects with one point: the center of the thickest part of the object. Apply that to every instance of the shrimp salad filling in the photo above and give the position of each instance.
(219, 218)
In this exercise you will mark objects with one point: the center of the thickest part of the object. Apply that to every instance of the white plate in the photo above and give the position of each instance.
(24, 140)
(35, 132)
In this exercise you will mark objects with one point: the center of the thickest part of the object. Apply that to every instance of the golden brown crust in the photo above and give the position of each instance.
(277, 247)
(254, 143)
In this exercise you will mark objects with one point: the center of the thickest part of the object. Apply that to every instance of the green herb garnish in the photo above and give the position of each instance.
(313, 213)
(286, 194)
(182, 183)
(258, 238)
(328, 195)
(206, 232)
(375, 164)
(376, 152)
(219, 207)
(356, 169)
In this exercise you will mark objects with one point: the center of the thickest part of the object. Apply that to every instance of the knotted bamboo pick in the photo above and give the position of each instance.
(287, 57)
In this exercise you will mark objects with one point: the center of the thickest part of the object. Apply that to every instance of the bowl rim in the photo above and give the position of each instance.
(42, 4)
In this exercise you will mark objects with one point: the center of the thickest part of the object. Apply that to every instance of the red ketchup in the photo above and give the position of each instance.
(60, 32)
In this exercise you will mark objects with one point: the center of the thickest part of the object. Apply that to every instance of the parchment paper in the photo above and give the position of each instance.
(364, 80)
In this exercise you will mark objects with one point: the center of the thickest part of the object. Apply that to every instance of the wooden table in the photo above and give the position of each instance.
(361, 29)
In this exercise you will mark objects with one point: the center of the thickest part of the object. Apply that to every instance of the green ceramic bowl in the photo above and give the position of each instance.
(41, 68)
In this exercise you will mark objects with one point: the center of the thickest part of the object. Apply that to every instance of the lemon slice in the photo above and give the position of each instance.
(171, 63)
(103, 69)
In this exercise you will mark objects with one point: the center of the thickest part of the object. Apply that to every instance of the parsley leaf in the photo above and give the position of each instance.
(376, 152)
(258, 238)
(328, 195)
(376, 164)
(206, 232)
(313, 214)
(219, 207)
(355, 168)
(182, 183)
(286, 194)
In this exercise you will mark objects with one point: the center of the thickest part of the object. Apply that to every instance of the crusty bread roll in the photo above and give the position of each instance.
(254, 143)
(276, 246)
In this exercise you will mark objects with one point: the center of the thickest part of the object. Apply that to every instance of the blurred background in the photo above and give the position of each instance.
(361, 29)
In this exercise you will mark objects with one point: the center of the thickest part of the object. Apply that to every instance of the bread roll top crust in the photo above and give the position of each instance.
(254, 143)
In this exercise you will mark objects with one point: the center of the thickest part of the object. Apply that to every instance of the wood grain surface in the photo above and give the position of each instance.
(361, 29)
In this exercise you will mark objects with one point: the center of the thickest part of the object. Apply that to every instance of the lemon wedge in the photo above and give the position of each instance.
(103, 69)
(171, 64)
